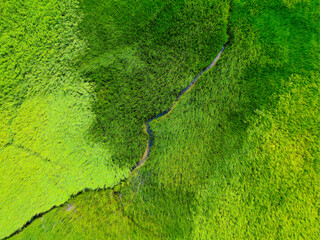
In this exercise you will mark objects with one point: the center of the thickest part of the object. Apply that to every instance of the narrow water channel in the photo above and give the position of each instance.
(167, 112)
(149, 145)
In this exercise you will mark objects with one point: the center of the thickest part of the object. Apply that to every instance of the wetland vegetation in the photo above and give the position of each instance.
(238, 158)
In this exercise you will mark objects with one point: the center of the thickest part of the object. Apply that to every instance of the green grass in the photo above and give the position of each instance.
(141, 55)
(46, 114)
(76, 93)
(238, 156)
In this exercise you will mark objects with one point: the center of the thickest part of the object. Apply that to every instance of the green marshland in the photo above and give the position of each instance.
(238, 157)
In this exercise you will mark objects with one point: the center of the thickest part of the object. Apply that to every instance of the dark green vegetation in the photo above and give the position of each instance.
(65, 61)
(141, 54)
(238, 156)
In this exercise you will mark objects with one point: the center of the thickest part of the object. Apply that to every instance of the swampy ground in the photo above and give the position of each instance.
(236, 159)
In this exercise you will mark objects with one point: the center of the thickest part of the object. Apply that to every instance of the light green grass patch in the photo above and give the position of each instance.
(46, 152)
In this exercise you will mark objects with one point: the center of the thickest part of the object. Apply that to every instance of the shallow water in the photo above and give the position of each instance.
(148, 129)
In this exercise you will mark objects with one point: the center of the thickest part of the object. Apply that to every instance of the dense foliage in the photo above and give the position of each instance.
(71, 68)
(45, 113)
(141, 54)
(238, 156)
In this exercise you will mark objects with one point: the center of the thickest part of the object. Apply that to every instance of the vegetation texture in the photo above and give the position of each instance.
(238, 158)
(46, 113)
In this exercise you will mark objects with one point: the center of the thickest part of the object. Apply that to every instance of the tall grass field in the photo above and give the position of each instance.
(237, 158)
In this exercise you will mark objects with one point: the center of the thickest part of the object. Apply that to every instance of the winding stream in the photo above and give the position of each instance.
(149, 144)
(167, 112)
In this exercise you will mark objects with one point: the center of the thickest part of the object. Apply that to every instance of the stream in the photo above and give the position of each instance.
(167, 112)
(149, 144)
